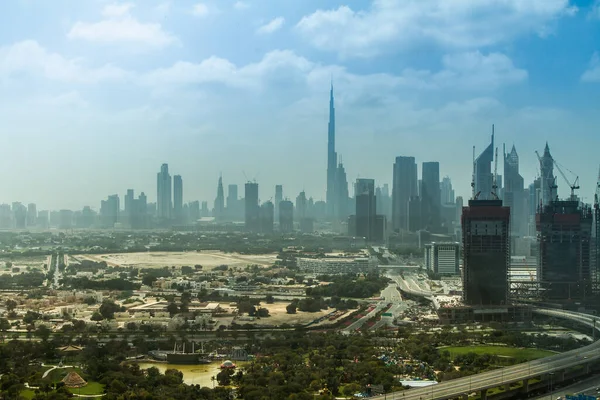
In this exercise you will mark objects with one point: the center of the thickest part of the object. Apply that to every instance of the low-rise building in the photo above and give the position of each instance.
(442, 258)
(337, 265)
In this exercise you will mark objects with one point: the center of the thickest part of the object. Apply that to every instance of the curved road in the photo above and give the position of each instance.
(459, 387)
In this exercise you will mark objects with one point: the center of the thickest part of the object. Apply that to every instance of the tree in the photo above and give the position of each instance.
(224, 377)
(291, 308)
(43, 332)
(172, 309)
(108, 309)
(11, 305)
(148, 280)
(96, 316)
(4, 326)
(270, 299)
(262, 312)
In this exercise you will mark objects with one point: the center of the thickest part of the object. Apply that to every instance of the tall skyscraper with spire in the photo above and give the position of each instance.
(219, 208)
(484, 179)
(514, 194)
(548, 179)
(332, 165)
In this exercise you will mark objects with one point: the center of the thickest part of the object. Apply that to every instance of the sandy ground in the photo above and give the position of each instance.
(208, 260)
(279, 315)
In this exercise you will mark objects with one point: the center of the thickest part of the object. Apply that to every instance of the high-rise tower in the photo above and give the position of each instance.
(486, 252)
(252, 208)
(404, 187)
(514, 194)
(178, 198)
(547, 175)
(332, 164)
(484, 179)
(163, 193)
(219, 208)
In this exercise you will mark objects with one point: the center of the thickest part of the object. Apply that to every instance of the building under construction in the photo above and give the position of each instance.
(565, 270)
(486, 252)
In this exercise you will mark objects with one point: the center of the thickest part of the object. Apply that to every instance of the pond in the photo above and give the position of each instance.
(192, 374)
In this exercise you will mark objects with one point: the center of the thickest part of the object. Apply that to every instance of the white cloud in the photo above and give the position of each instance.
(271, 26)
(474, 70)
(594, 12)
(119, 26)
(390, 25)
(592, 74)
(220, 70)
(163, 8)
(241, 5)
(117, 10)
(28, 56)
(200, 10)
(471, 71)
(68, 99)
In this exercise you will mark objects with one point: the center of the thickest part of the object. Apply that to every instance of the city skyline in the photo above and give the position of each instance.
(178, 94)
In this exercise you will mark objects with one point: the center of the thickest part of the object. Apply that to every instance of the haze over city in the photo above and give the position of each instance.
(97, 95)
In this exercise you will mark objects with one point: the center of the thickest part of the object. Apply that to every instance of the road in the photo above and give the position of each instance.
(390, 295)
(587, 386)
(531, 369)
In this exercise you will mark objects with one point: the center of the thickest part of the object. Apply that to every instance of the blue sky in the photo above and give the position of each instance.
(95, 95)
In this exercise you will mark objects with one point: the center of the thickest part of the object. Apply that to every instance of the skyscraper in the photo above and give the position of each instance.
(232, 201)
(128, 202)
(286, 216)
(267, 216)
(565, 238)
(484, 179)
(278, 197)
(332, 164)
(366, 209)
(163, 193)
(514, 194)
(109, 211)
(548, 181)
(486, 252)
(252, 209)
(404, 187)
(178, 198)
(31, 214)
(219, 207)
(430, 195)
(446, 191)
(341, 194)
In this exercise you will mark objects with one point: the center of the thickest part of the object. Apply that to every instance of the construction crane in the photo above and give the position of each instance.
(495, 183)
(574, 185)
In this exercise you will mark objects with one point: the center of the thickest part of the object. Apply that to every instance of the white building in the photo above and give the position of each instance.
(443, 258)
(337, 265)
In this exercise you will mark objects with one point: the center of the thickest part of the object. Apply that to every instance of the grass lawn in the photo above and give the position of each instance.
(90, 388)
(523, 354)
(27, 394)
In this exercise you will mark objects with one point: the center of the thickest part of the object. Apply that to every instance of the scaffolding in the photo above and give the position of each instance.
(486, 252)
(565, 268)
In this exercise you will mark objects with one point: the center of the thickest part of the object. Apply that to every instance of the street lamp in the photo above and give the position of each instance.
(551, 376)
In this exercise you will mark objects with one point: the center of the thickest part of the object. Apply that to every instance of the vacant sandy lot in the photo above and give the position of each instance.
(279, 315)
(208, 260)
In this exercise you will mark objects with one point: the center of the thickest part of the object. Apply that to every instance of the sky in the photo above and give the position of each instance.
(95, 95)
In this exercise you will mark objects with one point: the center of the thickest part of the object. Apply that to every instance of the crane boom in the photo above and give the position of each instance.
(574, 186)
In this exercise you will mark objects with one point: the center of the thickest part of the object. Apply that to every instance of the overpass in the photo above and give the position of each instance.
(556, 364)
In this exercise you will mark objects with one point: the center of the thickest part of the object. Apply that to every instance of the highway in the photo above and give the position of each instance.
(458, 387)
(390, 295)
